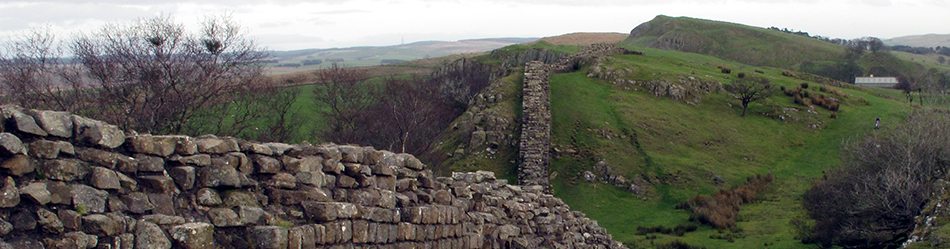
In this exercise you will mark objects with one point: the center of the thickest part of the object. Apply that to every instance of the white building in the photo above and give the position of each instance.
(886, 82)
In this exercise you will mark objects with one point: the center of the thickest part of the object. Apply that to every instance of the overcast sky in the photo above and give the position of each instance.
(298, 24)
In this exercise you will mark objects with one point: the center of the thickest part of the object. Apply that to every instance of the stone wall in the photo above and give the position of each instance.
(73, 182)
(535, 145)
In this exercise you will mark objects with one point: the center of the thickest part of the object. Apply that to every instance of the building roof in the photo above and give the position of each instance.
(875, 80)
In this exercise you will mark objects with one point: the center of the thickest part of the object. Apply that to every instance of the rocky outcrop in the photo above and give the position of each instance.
(89, 189)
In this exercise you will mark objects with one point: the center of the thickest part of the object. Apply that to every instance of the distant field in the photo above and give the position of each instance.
(584, 39)
(928, 40)
(375, 56)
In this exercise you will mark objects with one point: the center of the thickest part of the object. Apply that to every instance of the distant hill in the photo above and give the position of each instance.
(730, 41)
(281, 62)
(583, 38)
(928, 40)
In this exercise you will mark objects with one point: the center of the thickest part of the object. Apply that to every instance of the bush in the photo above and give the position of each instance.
(740, 75)
(886, 178)
(679, 230)
(804, 85)
(676, 244)
(726, 70)
(720, 210)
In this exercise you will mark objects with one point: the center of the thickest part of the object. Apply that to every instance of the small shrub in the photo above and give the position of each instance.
(804, 85)
(677, 244)
(788, 74)
(740, 75)
(720, 210)
(759, 71)
(725, 70)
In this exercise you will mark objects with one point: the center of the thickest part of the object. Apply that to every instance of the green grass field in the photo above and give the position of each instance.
(683, 146)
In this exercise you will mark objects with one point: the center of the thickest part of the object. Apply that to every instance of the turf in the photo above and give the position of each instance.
(683, 146)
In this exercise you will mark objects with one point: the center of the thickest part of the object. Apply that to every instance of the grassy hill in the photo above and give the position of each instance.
(731, 41)
(928, 40)
(677, 150)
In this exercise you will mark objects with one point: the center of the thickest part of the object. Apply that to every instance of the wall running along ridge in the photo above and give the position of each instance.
(71, 182)
(535, 144)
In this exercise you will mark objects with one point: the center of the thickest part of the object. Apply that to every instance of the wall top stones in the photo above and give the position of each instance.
(71, 182)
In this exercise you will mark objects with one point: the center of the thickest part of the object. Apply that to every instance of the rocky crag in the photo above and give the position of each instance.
(74, 182)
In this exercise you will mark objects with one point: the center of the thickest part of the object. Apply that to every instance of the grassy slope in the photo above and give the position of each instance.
(730, 41)
(684, 145)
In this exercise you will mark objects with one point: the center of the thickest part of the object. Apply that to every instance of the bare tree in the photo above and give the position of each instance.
(411, 113)
(345, 94)
(32, 73)
(883, 184)
(750, 89)
(154, 76)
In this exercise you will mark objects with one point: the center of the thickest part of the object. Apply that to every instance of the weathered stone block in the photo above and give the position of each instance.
(306, 164)
(88, 199)
(360, 231)
(224, 217)
(266, 165)
(55, 123)
(250, 215)
(163, 220)
(96, 132)
(149, 235)
(406, 232)
(268, 237)
(283, 180)
(184, 176)
(208, 197)
(278, 148)
(301, 237)
(154, 145)
(99, 224)
(328, 211)
(148, 163)
(23, 220)
(221, 175)
(27, 124)
(185, 145)
(11, 144)
(333, 166)
(351, 154)
(36, 191)
(215, 145)
(138, 202)
(199, 159)
(195, 235)
(163, 203)
(49, 221)
(103, 178)
(159, 183)
(72, 220)
(344, 181)
(45, 149)
(9, 194)
(18, 165)
(316, 178)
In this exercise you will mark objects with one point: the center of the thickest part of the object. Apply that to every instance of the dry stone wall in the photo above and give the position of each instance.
(535, 144)
(71, 182)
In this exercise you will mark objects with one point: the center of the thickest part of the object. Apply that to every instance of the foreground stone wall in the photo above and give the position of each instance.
(73, 182)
